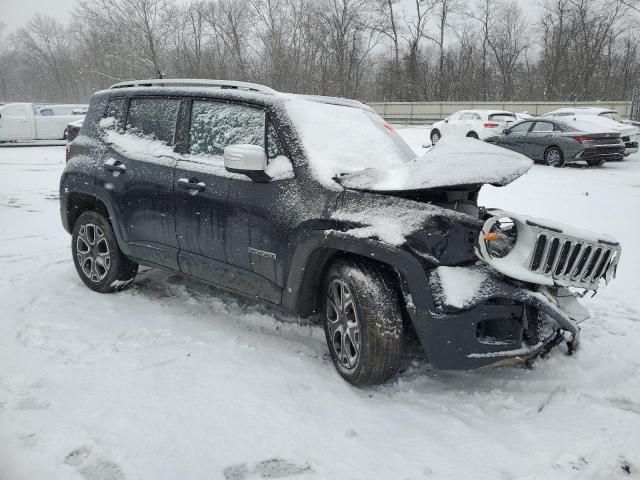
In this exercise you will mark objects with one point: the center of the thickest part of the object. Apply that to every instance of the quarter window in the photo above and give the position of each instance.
(153, 118)
(215, 125)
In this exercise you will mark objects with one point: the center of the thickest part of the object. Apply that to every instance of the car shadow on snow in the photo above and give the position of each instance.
(415, 371)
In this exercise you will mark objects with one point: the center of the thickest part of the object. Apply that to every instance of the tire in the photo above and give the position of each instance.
(596, 162)
(435, 136)
(65, 135)
(98, 259)
(554, 157)
(357, 297)
(473, 135)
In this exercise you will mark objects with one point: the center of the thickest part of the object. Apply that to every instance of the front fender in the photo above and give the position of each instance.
(315, 247)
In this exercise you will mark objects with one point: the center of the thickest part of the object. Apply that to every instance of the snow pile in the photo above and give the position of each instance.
(137, 147)
(459, 287)
(453, 161)
(279, 168)
(134, 146)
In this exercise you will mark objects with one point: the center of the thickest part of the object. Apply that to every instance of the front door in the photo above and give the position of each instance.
(138, 176)
(215, 209)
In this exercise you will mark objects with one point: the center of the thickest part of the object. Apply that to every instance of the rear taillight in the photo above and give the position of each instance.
(582, 138)
(490, 125)
(68, 152)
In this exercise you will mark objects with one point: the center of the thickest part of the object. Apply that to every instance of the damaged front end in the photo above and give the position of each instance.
(521, 300)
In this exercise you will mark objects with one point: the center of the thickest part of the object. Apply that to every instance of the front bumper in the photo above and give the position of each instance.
(499, 323)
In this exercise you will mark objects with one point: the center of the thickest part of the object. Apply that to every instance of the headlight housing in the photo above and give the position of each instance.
(501, 237)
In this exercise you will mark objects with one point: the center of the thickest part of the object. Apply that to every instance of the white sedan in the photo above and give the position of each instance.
(473, 124)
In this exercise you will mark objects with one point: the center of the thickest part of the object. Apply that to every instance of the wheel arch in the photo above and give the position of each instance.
(314, 254)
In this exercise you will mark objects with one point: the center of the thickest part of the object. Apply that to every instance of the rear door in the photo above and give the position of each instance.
(138, 175)
(538, 139)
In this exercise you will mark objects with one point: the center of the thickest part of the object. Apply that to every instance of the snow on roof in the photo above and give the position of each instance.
(597, 124)
(452, 162)
(583, 110)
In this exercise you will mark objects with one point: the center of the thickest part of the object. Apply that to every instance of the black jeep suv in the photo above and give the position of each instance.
(315, 204)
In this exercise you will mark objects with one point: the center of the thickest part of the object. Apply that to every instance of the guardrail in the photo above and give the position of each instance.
(427, 112)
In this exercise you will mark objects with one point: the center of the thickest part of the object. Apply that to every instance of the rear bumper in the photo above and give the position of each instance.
(609, 153)
(504, 324)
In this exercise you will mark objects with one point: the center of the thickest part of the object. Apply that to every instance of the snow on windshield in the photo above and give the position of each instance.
(340, 139)
(366, 153)
(453, 161)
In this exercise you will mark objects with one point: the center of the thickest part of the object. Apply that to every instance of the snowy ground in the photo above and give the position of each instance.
(172, 380)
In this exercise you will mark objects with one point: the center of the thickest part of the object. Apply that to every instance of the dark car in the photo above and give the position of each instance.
(282, 198)
(555, 143)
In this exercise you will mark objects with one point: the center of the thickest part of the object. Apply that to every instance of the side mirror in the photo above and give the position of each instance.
(506, 131)
(446, 120)
(250, 160)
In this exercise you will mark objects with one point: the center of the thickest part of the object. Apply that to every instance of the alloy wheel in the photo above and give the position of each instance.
(435, 138)
(92, 251)
(343, 323)
(553, 157)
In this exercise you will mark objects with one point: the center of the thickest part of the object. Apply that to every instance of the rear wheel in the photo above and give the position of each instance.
(362, 322)
(96, 255)
(435, 136)
(596, 162)
(472, 135)
(554, 157)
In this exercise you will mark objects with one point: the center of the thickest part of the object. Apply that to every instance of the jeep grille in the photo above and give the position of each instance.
(573, 261)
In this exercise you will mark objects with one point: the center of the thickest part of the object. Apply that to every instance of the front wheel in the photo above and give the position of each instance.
(362, 322)
(96, 255)
(554, 157)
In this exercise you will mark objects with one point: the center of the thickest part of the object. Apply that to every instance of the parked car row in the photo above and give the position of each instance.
(29, 121)
(567, 135)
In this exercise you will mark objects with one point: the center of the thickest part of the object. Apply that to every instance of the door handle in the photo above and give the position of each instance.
(115, 166)
(191, 184)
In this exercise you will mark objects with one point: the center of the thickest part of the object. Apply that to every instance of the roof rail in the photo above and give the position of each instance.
(194, 82)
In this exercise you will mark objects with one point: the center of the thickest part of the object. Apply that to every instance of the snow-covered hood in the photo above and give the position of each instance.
(452, 162)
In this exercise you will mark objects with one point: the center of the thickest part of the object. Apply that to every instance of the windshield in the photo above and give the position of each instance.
(341, 139)
(502, 117)
(612, 115)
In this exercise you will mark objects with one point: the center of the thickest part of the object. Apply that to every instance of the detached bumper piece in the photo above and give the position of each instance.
(481, 320)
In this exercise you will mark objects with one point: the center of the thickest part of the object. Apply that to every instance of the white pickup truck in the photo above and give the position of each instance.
(27, 121)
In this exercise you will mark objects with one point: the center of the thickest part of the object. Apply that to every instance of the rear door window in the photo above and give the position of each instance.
(153, 118)
(216, 125)
(542, 127)
(521, 127)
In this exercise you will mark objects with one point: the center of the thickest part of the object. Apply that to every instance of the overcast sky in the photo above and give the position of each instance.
(15, 13)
